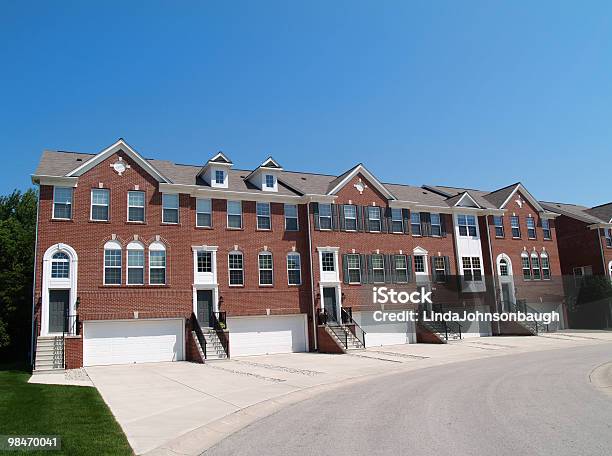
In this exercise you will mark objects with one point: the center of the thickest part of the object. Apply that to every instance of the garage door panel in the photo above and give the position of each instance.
(267, 335)
(121, 342)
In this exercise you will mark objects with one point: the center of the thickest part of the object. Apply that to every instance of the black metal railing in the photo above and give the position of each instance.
(347, 319)
(340, 332)
(197, 329)
(219, 324)
(447, 329)
(521, 306)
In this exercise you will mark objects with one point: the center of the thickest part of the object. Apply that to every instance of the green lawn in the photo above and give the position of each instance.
(76, 413)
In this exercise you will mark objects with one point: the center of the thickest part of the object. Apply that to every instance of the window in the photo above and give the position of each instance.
(374, 219)
(204, 261)
(378, 269)
(263, 216)
(608, 234)
(401, 269)
(327, 262)
(291, 217)
(531, 230)
(498, 221)
(219, 176)
(62, 203)
(419, 264)
(415, 223)
(581, 271)
(397, 221)
(170, 208)
(535, 267)
(269, 181)
(157, 264)
(467, 225)
(99, 204)
(204, 213)
(526, 266)
(60, 266)
(112, 263)
(265, 269)
(354, 270)
(236, 271)
(234, 214)
(436, 225)
(546, 228)
(294, 269)
(325, 217)
(350, 217)
(136, 206)
(471, 268)
(439, 267)
(135, 263)
(516, 229)
(503, 267)
(545, 266)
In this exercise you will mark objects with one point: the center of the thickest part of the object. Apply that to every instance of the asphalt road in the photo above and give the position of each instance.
(527, 404)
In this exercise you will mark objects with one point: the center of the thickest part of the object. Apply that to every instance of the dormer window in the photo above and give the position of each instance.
(219, 177)
(269, 181)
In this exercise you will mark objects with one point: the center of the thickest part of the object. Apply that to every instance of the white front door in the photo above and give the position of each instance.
(132, 341)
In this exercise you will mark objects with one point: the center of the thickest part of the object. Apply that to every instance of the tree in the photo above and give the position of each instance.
(591, 303)
(17, 239)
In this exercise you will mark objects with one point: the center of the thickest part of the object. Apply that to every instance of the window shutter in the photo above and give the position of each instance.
(315, 213)
(406, 217)
(341, 218)
(433, 270)
(358, 210)
(389, 227)
(389, 269)
(370, 269)
(425, 224)
(334, 217)
(447, 270)
(409, 267)
(345, 274)
(443, 224)
(364, 269)
(366, 219)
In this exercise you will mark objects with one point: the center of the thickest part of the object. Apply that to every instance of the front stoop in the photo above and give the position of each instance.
(49, 355)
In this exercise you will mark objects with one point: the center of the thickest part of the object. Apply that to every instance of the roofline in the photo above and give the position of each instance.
(352, 172)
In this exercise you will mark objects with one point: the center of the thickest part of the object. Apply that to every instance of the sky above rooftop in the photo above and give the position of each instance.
(470, 94)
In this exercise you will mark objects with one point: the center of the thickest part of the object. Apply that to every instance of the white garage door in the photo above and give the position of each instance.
(126, 342)
(266, 335)
(385, 333)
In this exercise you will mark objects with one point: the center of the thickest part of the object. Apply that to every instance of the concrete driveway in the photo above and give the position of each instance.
(165, 408)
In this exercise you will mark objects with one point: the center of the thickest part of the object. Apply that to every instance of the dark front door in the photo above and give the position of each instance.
(329, 303)
(58, 308)
(506, 296)
(205, 307)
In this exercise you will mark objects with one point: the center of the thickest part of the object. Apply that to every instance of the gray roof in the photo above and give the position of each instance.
(602, 212)
(452, 192)
(498, 197)
(572, 210)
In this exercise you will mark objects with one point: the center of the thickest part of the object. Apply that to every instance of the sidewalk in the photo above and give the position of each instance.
(170, 408)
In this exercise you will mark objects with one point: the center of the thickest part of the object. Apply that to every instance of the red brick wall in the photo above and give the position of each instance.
(175, 298)
(73, 352)
(532, 290)
(578, 245)
(327, 344)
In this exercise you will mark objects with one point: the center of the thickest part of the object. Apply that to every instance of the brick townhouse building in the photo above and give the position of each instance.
(147, 260)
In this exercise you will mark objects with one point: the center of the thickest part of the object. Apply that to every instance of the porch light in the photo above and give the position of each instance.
(77, 303)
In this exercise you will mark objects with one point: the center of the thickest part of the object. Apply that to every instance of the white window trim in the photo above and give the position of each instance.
(436, 224)
(379, 230)
(264, 253)
(414, 223)
(257, 216)
(419, 251)
(467, 226)
(297, 218)
(384, 272)
(177, 209)
(401, 220)
(55, 187)
(144, 207)
(535, 232)
(91, 205)
(518, 226)
(506, 258)
(159, 246)
(134, 245)
(63, 260)
(229, 269)
(542, 256)
(298, 269)
(395, 268)
(228, 216)
(549, 237)
(330, 216)
(205, 278)
(112, 245)
(503, 228)
(350, 218)
(200, 212)
(348, 268)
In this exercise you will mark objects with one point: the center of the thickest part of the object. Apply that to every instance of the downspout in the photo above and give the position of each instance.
(601, 251)
(312, 292)
(493, 268)
(32, 354)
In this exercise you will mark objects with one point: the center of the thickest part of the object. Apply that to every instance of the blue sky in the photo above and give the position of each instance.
(475, 94)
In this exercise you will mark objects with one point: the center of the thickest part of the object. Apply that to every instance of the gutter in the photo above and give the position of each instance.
(32, 354)
(493, 269)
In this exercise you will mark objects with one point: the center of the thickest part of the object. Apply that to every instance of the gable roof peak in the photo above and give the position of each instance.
(339, 182)
(271, 163)
(220, 158)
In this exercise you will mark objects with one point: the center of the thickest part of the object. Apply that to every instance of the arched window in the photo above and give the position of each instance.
(135, 263)
(294, 269)
(503, 267)
(545, 265)
(157, 263)
(525, 266)
(266, 273)
(60, 266)
(535, 266)
(112, 263)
